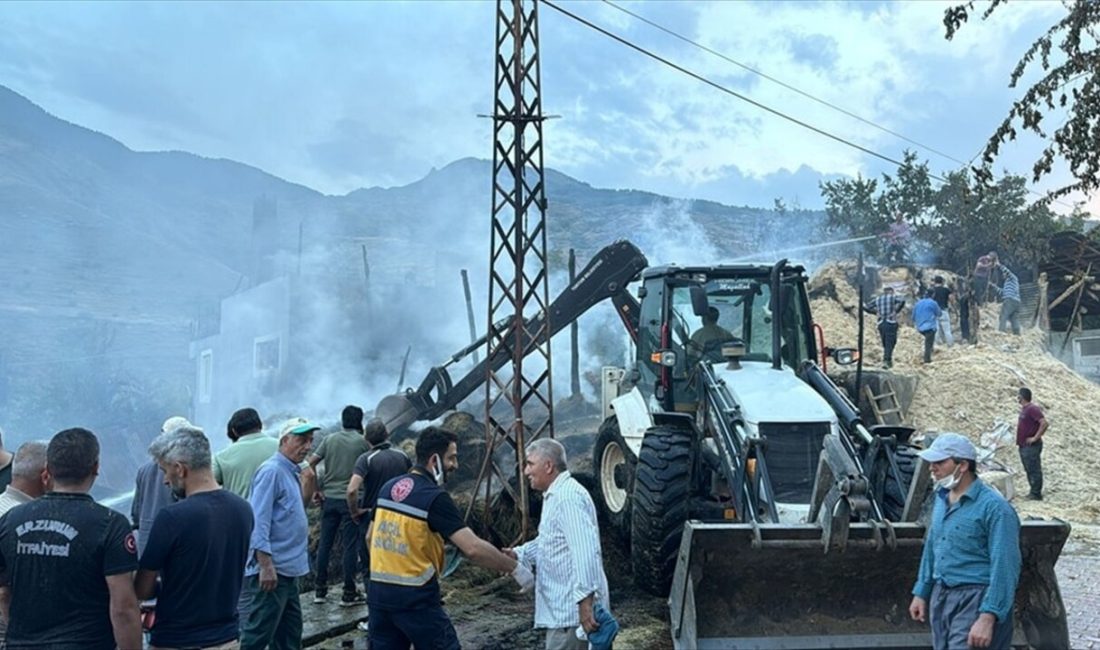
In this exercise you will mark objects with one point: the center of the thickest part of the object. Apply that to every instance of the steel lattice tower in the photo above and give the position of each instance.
(517, 258)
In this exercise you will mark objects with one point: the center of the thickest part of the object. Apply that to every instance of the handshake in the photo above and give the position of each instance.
(522, 575)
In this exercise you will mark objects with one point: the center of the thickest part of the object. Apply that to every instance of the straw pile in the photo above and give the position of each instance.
(970, 388)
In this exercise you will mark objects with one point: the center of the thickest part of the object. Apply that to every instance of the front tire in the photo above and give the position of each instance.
(613, 465)
(662, 490)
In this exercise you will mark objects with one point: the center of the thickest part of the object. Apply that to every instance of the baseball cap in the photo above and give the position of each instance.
(950, 445)
(173, 423)
(297, 427)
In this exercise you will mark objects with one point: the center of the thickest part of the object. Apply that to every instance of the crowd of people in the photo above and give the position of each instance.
(216, 546)
(931, 312)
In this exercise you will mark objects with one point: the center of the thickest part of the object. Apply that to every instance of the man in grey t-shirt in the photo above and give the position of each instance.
(338, 451)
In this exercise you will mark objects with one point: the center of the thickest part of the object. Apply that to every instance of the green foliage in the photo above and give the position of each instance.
(951, 225)
(850, 210)
(1070, 85)
(859, 206)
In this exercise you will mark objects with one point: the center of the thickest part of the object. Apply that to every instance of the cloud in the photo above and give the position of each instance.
(343, 95)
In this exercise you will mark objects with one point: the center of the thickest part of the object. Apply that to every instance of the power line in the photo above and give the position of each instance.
(728, 91)
(762, 106)
(780, 82)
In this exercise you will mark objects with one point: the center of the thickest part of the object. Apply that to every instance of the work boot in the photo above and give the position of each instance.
(352, 598)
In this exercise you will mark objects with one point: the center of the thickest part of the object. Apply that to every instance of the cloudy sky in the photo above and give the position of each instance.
(347, 95)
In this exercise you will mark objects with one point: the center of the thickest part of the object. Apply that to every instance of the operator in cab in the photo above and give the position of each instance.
(710, 332)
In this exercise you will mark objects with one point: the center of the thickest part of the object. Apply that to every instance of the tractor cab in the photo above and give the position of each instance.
(690, 314)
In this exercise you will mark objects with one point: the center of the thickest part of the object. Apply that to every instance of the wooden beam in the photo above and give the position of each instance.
(1076, 311)
(1065, 294)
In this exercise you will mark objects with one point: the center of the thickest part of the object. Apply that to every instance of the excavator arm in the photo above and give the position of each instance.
(605, 276)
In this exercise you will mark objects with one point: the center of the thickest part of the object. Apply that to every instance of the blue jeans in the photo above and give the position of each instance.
(335, 517)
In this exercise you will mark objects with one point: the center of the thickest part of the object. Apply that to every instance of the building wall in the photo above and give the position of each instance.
(1082, 353)
(245, 363)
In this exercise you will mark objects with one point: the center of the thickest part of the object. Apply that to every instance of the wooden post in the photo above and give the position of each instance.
(1076, 309)
(574, 335)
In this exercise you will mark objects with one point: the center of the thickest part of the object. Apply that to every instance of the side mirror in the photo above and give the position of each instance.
(845, 356)
(699, 300)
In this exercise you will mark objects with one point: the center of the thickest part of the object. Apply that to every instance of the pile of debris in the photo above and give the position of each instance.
(970, 389)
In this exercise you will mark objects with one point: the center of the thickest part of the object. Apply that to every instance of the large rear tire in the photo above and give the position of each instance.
(893, 494)
(662, 490)
(613, 464)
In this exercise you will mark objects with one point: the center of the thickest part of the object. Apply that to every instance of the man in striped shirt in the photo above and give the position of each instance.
(1010, 297)
(569, 578)
(886, 307)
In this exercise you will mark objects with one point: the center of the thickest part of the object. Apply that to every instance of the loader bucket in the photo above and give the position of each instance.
(396, 411)
(773, 586)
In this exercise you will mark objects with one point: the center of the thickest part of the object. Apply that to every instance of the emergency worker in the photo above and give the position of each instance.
(413, 517)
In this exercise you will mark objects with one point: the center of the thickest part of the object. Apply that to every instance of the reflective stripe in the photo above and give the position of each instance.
(401, 507)
(411, 581)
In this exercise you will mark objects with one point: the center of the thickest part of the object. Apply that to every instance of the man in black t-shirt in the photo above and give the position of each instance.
(69, 561)
(941, 293)
(372, 470)
(198, 545)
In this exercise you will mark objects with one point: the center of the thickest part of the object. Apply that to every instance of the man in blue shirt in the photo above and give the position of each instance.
(966, 585)
(926, 318)
(279, 549)
(198, 545)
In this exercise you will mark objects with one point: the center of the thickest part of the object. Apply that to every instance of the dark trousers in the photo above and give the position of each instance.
(1031, 458)
(981, 289)
(275, 621)
(929, 342)
(392, 629)
(953, 610)
(364, 552)
(889, 334)
(964, 318)
(335, 517)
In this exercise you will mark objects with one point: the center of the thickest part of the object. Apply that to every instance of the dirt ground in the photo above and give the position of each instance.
(489, 614)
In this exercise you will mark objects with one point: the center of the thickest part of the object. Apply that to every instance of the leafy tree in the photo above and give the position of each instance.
(951, 225)
(1071, 81)
(999, 218)
(851, 210)
(859, 207)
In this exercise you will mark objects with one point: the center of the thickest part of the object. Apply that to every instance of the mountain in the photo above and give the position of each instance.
(114, 260)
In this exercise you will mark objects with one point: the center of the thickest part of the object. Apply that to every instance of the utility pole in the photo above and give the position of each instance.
(470, 311)
(574, 338)
(517, 260)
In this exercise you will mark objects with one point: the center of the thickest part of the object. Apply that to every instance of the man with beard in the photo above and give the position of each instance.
(279, 549)
(412, 517)
(198, 545)
(151, 494)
